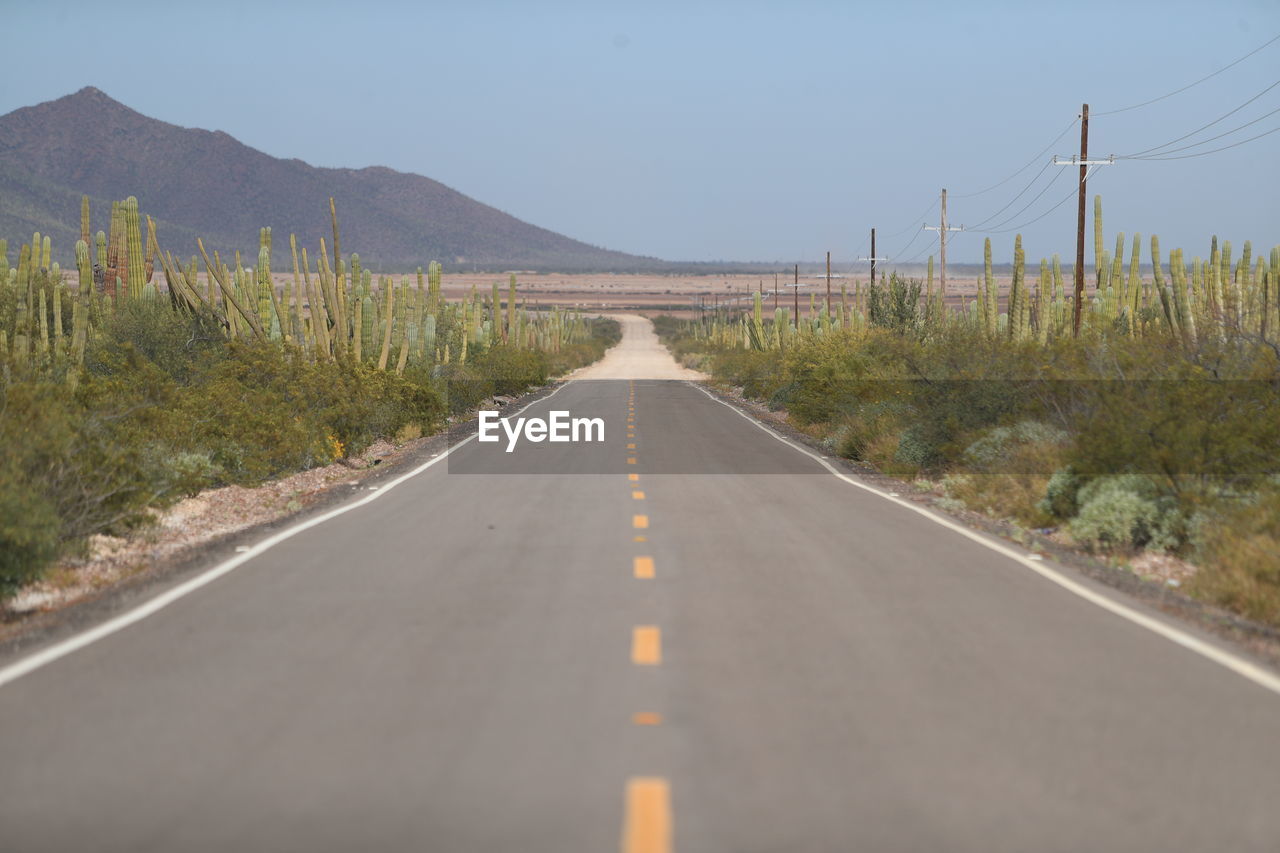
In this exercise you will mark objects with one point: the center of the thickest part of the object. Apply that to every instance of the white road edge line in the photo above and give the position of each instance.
(61, 649)
(1246, 668)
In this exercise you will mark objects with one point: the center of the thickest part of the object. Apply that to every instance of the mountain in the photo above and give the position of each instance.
(208, 184)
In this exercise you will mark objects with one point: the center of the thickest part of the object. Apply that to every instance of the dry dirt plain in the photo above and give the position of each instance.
(671, 294)
(651, 294)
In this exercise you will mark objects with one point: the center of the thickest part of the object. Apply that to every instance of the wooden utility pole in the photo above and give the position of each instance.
(1084, 163)
(797, 288)
(873, 256)
(828, 287)
(942, 228)
(942, 249)
(1084, 170)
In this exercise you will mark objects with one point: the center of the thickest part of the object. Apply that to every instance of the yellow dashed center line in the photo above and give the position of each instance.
(646, 645)
(631, 460)
(631, 446)
(640, 522)
(647, 825)
(639, 538)
(637, 495)
(646, 718)
(635, 478)
(643, 567)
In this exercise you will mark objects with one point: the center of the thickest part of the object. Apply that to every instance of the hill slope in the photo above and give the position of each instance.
(199, 182)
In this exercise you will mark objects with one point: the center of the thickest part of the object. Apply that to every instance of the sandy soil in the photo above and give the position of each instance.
(640, 355)
(651, 294)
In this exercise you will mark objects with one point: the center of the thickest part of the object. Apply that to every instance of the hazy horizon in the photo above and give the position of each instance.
(747, 132)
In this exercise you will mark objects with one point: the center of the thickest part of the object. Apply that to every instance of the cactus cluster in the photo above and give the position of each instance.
(1210, 296)
(330, 308)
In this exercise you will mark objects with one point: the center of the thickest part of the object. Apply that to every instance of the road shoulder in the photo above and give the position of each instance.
(1260, 643)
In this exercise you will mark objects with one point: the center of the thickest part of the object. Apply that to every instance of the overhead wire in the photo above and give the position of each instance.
(1088, 173)
(1207, 126)
(1214, 150)
(1233, 64)
(1020, 194)
(1029, 164)
(1203, 141)
(999, 228)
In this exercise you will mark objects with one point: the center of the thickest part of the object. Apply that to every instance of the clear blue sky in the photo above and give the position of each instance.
(711, 130)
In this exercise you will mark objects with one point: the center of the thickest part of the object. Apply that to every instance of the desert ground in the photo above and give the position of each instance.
(674, 294)
(650, 294)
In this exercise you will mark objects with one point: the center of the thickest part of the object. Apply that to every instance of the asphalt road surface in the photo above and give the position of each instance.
(718, 646)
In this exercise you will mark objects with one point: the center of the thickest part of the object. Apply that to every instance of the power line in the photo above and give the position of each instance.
(916, 219)
(995, 228)
(920, 230)
(1206, 141)
(1011, 201)
(1064, 200)
(1272, 41)
(1207, 126)
(923, 251)
(1215, 150)
(1029, 164)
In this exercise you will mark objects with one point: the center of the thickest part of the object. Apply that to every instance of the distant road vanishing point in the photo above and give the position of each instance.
(691, 636)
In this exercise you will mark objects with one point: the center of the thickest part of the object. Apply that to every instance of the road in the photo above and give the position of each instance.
(717, 647)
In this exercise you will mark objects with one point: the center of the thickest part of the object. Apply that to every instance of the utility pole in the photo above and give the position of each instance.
(873, 257)
(1085, 163)
(1084, 171)
(797, 288)
(828, 287)
(942, 228)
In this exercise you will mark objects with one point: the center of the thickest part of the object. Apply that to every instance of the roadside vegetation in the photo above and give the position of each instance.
(1156, 429)
(144, 382)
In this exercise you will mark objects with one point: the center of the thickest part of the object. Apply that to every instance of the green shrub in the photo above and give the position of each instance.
(174, 343)
(1127, 511)
(30, 532)
(895, 305)
(512, 371)
(870, 425)
(1060, 494)
(998, 449)
(1239, 557)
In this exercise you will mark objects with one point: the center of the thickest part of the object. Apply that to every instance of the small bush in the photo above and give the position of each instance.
(512, 371)
(1126, 512)
(1239, 557)
(1003, 448)
(1060, 494)
(30, 533)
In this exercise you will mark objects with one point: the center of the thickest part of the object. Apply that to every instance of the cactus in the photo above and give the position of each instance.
(1018, 308)
(84, 219)
(1165, 294)
(1133, 284)
(133, 240)
(389, 294)
(1182, 306)
(1042, 303)
(509, 334)
(1098, 262)
(990, 295)
(433, 285)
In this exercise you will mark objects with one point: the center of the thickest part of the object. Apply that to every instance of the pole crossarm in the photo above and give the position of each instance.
(1076, 160)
